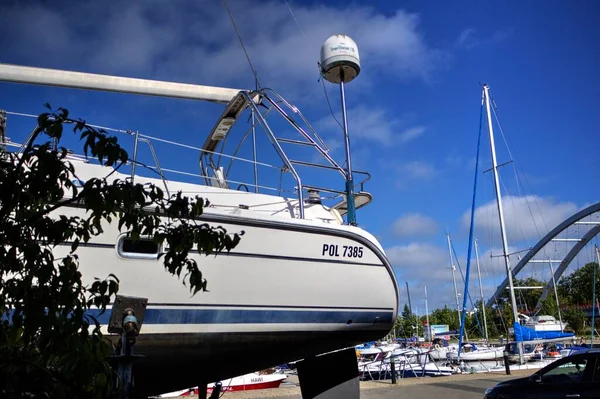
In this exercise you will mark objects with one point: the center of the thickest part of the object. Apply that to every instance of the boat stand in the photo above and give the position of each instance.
(330, 376)
(202, 390)
(126, 319)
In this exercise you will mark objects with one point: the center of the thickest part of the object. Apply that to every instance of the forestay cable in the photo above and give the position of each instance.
(471, 227)
(237, 32)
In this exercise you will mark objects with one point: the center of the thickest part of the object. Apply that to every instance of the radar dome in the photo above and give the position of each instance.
(339, 59)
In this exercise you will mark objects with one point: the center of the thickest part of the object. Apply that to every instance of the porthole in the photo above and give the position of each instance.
(142, 248)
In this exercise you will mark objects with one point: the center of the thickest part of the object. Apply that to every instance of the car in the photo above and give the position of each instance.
(574, 376)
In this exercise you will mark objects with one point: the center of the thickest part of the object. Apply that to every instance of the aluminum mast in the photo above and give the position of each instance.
(505, 253)
(454, 278)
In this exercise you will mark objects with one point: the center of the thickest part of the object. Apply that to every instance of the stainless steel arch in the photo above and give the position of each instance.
(566, 261)
(542, 243)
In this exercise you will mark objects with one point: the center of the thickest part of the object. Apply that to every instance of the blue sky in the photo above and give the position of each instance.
(413, 111)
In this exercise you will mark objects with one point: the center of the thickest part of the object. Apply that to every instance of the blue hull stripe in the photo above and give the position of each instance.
(245, 316)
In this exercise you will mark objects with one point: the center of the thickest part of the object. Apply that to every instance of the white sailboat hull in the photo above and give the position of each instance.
(482, 354)
(279, 296)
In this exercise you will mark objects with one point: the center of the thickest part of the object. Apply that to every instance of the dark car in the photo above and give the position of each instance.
(574, 376)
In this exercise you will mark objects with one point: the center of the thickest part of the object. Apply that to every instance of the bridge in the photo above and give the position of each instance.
(575, 232)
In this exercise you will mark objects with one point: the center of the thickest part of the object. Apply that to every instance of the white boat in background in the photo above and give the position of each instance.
(375, 363)
(439, 352)
(529, 350)
(300, 282)
(372, 353)
(543, 323)
(471, 352)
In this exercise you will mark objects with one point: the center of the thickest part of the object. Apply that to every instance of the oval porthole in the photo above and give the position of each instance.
(142, 248)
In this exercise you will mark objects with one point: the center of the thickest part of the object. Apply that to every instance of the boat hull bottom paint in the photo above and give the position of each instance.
(219, 356)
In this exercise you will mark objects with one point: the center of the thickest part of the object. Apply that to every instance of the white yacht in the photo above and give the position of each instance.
(300, 282)
(543, 323)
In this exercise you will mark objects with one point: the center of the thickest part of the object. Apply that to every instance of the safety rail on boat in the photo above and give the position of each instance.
(310, 138)
(210, 157)
(138, 138)
(403, 361)
(236, 100)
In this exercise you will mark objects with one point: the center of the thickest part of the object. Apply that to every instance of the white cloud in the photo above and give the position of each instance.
(526, 218)
(422, 264)
(414, 225)
(372, 124)
(186, 40)
(469, 39)
(363, 123)
(454, 160)
(418, 260)
(404, 173)
(416, 170)
(411, 134)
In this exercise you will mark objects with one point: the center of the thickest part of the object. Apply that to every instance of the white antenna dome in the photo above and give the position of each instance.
(339, 59)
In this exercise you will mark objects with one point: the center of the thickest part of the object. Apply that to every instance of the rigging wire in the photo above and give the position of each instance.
(294, 17)
(327, 97)
(329, 102)
(470, 247)
(521, 192)
(501, 317)
(519, 186)
(491, 231)
(464, 282)
(514, 205)
(239, 36)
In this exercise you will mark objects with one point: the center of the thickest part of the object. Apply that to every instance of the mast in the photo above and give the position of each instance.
(481, 292)
(454, 278)
(594, 293)
(556, 295)
(409, 303)
(505, 253)
(351, 216)
(427, 317)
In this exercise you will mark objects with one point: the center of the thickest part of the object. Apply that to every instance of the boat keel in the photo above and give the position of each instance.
(341, 369)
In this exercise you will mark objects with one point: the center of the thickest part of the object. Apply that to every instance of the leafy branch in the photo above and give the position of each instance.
(50, 345)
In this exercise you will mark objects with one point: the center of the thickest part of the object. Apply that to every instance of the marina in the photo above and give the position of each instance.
(298, 312)
(246, 238)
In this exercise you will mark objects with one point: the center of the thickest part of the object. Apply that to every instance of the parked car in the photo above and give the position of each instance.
(574, 376)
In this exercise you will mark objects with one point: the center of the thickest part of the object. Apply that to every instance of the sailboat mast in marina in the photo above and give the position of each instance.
(453, 267)
(505, 254)
(427, 317)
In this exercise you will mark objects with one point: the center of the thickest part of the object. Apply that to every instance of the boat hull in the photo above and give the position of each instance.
(278, 297)
(477, 355)
(247, 382)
